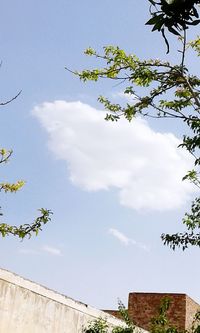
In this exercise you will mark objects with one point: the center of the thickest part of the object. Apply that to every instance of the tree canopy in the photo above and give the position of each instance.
(175, 15)
(168, 91)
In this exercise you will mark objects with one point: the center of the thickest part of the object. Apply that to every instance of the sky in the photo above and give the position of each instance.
(114, 188)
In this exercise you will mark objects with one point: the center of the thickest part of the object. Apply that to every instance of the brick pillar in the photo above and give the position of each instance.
(142, 307)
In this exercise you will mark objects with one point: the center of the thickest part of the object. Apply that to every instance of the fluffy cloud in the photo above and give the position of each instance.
(126, 240)
(143, 165)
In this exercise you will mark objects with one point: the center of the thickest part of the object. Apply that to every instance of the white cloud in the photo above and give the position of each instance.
(130, 98)
(120, 236)
(126, 240)
(51, 250)
(46, 248)
(145, 166)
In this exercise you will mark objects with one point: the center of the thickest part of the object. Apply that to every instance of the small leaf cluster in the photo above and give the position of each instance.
(14, 187)
(23, 230)
(27, 230)
(98, 326)
(192, 235)
(101, 325)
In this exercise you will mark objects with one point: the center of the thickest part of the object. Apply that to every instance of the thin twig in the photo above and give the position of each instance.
(184, 49)
(10, 100)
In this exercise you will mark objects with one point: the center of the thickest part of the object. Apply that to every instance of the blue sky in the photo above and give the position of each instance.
(113, 189)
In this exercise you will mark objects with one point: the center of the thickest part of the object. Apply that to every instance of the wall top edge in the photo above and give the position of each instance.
(19, 281)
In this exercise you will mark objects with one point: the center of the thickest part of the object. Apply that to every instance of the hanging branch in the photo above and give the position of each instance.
(175, 16)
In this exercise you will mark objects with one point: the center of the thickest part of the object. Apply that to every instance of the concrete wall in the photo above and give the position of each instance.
(26, 307)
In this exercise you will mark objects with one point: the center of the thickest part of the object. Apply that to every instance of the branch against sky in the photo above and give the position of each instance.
(168, 91)
(23, 230)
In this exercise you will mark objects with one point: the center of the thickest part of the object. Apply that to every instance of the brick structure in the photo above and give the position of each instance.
(142, 307)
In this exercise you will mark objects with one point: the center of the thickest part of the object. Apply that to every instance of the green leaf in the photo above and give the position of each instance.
(155, 19)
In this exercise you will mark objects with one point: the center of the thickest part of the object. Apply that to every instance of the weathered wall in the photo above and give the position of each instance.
(26, 307)
(191, 308)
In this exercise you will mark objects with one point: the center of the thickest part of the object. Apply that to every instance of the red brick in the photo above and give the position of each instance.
(142, 307)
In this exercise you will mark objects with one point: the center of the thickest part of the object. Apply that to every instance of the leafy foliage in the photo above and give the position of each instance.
(192, 223)
(97, 326)
(130, 326)
(24, 230)
(101, 326)
(160, 323)
(27, 230)
(196, 323)
(175, 15)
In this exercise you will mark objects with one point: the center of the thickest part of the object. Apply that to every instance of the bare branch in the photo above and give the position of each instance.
(10, 100)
